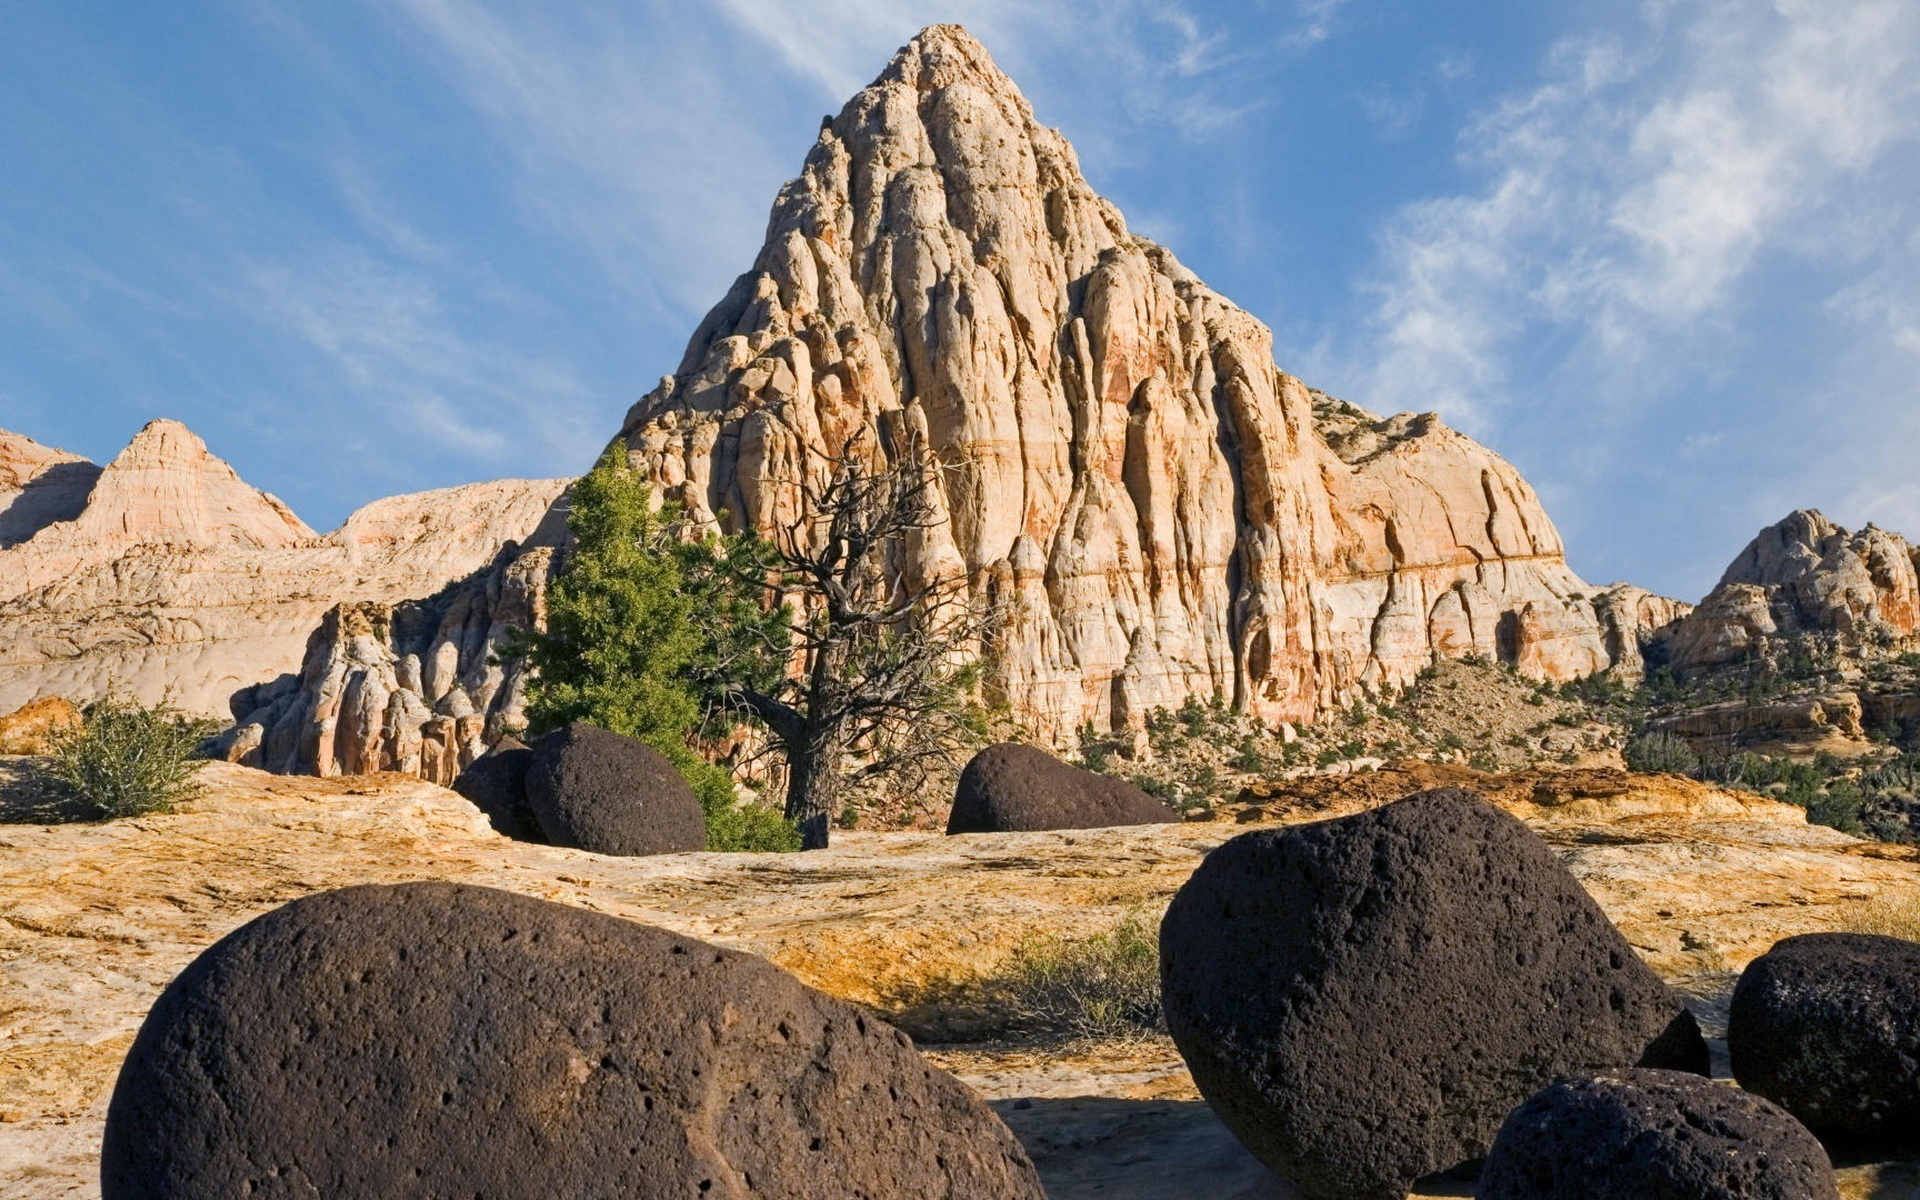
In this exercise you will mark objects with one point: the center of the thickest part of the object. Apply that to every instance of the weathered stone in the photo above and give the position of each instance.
(433, 1038)
(1012, 788)
(1804, 577)
(611, 794)
(1827, 1025)
(165, 576)
(30, 729)
(1364, 999)
(496, 782)
(1619, 1134)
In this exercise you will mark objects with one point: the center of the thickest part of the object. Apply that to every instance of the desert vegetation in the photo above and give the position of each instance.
(126, 759)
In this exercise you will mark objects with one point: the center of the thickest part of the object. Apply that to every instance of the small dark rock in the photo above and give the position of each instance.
(1011, 788)
(1621, 1134)
(1363, 1000)
(436, 1039)
(1827, 1025)
(496, 783)
(611, 794)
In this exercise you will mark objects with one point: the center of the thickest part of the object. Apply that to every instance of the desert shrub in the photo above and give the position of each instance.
(734, 824)
(126, 759)
(1661, 753)
(1100, 987)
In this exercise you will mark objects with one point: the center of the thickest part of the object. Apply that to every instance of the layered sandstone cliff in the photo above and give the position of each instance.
(1172, 513)
(1160, 511)
(165, 575)
(1803, 580)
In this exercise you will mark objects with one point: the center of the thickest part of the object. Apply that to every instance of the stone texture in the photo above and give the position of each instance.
(29, 729)
(167, 576)
(496, 782)
(1012, 788)
(1804, 577)
(1363, 1000)
(1653, 1133)
(390, 1040)
(1162, 510)
(1828, 1026)
(95, 918)
(611, 794)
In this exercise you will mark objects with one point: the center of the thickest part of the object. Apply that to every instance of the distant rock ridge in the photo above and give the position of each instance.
(1803, 581)
(165, 575)
(1164, 512)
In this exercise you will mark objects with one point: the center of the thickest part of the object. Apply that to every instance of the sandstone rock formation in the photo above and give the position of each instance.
(1803, 578)
(1653, 1133)
(96, 918)
(1163, 511)
(442, 1039)
(30, 728)
(164, 574)
(1363, 1000)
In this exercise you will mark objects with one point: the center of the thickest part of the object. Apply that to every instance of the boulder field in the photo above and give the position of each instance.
(96, 919)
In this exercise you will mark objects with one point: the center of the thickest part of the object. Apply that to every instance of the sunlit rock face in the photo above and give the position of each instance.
(165, 576)
(1168, 512)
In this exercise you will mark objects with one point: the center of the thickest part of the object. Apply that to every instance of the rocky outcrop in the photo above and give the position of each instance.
(32, 728)
(1803, 581)
(167, 577)
(1166, 512)
(1158, 509)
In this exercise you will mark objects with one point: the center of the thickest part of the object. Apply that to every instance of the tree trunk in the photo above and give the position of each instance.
(813, 789)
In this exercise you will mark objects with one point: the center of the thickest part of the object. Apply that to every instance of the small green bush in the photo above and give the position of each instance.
(736, 825)
(1102, 987)
(1661, 753)
(126, 759)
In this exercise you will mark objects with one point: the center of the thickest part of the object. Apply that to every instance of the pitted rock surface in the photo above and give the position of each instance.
(497, 785)
(447, 1040)
(1827, 1025)
(1011, 788)
(1618, 1134)
(1363, 1000)
(611, 794)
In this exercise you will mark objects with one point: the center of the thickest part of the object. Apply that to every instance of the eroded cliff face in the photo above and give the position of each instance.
(1804, 579)
(164, 575)
(1171, 513)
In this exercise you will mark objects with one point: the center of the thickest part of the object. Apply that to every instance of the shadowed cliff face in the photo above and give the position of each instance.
(1123, 458)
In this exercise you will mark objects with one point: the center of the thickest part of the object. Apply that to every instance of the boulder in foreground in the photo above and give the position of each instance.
(1827, 1025)
(1653, 1133)
(611, 794)
(1363, 1000)
(449, 1040)
(1012, 788)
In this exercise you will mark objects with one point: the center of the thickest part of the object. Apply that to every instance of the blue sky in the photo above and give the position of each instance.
(1665, 256)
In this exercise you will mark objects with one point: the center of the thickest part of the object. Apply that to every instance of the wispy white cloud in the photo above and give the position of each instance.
(1632, 192)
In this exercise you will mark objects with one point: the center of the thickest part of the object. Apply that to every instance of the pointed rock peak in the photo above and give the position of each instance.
(39, 485)
(167, 489)
(942, 55)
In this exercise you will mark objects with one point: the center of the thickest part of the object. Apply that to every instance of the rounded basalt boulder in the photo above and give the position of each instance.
(1827, 1025)
(1617, 1134)
(496, 784)
(1012, 788)
(437, 1039)
(1363, 1000)
(611, 794)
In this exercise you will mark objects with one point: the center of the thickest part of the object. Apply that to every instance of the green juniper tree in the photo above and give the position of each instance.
(634, 614)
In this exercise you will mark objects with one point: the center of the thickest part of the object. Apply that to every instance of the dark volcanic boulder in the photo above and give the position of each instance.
(496, 783)
(1011, 788)
(611, 794)
(1363, 1000)
(1619, 1134)
(1827, 1025)
(435, 1039)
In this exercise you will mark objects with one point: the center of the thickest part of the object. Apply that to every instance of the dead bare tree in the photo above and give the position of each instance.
(867, 663)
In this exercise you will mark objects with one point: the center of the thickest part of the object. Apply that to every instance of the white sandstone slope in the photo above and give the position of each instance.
(1163, 511)
(1174, 514)
(164, 574)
